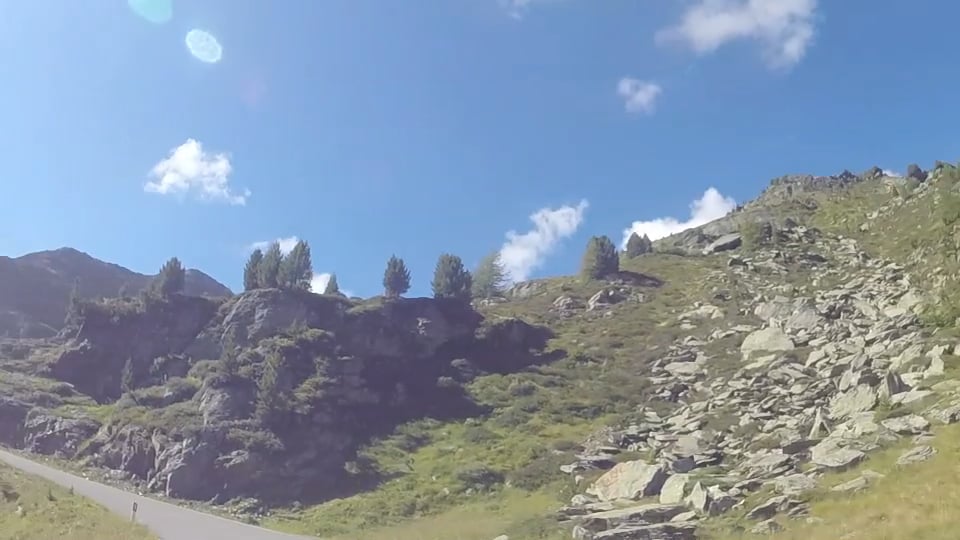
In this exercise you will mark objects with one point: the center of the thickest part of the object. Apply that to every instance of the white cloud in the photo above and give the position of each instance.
(523, 253)
(517, 8)
(785, 28)
(712, 205)
(319, 282)
(190, 170)
(286, 244)
(639, 96)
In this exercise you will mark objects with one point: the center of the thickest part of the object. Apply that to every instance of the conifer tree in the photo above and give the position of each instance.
(273, 396)
(600, 259)
(489, 280)
(451, 279)
(251, 272)
(396, 278)
(296, 268)
(269, 268)
(171, 279)
(332, 286)
(638, 245)
(75, 304)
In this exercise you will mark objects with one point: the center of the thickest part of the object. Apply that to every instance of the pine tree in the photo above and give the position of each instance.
(273, 398)
(296, 269)
(74, 305)
(332, 286)
(251, 272)
(269, 270)
(638, 245)
(396, 277)
(489, 280)
(600, 259)
(451, 279)
(171, 279)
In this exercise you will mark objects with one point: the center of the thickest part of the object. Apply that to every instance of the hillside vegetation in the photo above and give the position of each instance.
(714, 384)
(34, 509)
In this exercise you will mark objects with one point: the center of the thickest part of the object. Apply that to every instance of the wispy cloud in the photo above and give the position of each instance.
(319, 280)
(523, 253)
(189, 170)
(712, 205)
(319, 283)
(639, 96)
(286, 244)
(785, 28)
(518, 8)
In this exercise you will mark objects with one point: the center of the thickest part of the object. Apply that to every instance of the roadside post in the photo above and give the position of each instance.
(133, 515)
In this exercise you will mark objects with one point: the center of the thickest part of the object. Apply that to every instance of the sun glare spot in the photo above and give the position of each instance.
(203, 46)
(155, 11)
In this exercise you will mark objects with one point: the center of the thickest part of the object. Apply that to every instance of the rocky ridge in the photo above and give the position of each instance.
(804, 398)
(343, 375)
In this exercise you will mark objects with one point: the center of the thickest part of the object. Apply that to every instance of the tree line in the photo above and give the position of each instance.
(451, 279)
(294, 271)
(601, 259)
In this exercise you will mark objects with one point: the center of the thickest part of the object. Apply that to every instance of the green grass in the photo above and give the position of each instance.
(49, 512)
(602, 379)
(537, 418)
(919, 501)
(498, 474)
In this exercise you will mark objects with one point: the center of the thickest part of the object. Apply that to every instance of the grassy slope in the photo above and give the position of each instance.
(539, 414)
(51, 512)
(573, 400)
(919, 501)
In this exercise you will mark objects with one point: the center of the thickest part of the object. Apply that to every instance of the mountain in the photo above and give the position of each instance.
(767, 366)
(35, 288)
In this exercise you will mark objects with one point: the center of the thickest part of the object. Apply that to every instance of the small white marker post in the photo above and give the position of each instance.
(133, 515)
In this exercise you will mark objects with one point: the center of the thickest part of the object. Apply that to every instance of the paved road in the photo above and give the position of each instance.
(168, 521)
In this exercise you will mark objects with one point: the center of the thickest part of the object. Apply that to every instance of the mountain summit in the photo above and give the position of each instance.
(35, 288)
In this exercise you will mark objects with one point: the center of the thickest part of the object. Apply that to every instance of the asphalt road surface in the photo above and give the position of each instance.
(168, 521)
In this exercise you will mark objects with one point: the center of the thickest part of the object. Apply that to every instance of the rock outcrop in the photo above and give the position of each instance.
(339, 374)
(801, 401)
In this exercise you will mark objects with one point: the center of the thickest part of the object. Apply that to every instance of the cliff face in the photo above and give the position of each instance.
(268, 394)
(125, 329)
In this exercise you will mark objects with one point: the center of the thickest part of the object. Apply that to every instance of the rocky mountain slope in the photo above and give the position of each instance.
(35, 288)
(714, 388)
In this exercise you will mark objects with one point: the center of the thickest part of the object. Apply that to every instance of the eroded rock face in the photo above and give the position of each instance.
(93, 359)
(354, 372)
(53, 435)
(13, 413)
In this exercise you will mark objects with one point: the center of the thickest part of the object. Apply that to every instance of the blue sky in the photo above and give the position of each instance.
(371, 128)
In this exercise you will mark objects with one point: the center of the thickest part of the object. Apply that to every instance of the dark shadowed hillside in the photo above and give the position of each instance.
(35, 288)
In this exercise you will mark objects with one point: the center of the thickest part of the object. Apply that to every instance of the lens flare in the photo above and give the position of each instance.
(203, 46)
(155, 11)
